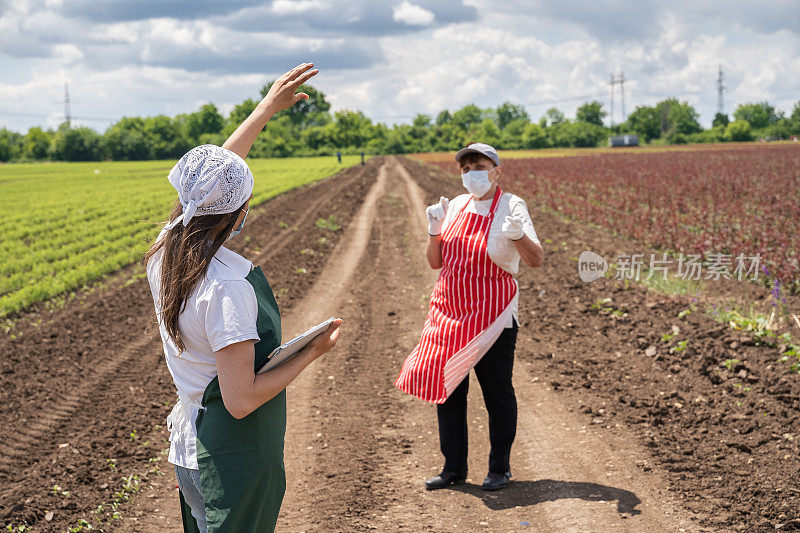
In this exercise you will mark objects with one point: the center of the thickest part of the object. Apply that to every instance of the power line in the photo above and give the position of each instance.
(720, 90)
(563, 100)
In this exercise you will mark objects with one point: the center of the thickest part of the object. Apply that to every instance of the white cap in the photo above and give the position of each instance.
(479, 148)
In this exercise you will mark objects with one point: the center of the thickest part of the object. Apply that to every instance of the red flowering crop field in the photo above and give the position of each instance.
(742, 200)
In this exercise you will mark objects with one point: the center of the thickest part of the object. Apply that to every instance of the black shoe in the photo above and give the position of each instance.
(444, 479)
(496, 481)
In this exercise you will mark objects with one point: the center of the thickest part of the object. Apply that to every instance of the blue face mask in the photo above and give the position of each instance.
(236, 231)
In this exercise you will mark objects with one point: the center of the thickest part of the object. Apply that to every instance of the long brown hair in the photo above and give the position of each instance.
(187, 253)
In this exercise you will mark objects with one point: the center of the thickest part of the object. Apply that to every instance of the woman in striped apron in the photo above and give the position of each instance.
(219, 321)
(477, 239)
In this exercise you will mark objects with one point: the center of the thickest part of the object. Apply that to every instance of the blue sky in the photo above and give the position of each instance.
(390, 59)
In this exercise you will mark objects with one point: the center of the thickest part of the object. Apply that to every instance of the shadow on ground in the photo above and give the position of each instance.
(526, 493)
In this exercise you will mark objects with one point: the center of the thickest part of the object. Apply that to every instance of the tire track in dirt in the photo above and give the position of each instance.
(324, 299)
(31, 436)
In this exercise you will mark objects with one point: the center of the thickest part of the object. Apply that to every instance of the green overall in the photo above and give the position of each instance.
(241, 461)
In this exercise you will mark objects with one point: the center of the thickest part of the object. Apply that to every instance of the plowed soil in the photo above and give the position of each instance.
(618, 429)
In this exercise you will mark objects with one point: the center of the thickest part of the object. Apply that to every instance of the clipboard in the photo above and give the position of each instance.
(286, 351)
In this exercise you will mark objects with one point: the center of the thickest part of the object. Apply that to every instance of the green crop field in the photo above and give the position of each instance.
(68, 224)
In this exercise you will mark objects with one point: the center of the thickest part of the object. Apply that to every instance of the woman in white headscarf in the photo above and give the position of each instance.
(219, 321)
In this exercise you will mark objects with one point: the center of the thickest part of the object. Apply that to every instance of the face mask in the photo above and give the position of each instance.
(476, 182)
(236, 231)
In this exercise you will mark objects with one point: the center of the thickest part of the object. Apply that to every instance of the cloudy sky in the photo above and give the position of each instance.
(390, 59)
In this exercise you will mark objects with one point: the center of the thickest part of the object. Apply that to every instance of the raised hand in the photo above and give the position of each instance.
(512, 228)
(280, 96)
(282, 93)
(436, 214)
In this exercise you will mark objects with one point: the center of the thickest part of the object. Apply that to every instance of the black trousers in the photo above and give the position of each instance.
(494, 375)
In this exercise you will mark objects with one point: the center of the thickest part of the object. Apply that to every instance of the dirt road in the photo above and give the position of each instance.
(358, 449)
(609, 439)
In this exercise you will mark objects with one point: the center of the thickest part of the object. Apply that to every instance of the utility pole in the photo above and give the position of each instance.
(617, 79)
(720, 90)
(67, 110)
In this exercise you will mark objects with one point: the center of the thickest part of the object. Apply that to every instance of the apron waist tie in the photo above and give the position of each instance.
(178, 420)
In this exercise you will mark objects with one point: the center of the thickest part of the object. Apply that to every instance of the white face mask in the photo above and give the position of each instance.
(476, 182)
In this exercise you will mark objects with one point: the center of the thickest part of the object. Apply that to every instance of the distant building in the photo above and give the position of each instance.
(623, 140)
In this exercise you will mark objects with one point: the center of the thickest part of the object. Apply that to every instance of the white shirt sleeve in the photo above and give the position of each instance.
(520, 209)
(229, 313)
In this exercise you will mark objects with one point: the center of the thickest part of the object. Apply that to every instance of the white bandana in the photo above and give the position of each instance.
(210, 180)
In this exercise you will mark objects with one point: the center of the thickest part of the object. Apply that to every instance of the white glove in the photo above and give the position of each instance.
(436, 214)
(512, 228)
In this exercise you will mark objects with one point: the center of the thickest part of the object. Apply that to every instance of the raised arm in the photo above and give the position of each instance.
(280, 96)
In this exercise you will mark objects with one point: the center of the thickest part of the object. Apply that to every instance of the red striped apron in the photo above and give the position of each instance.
(470, 294)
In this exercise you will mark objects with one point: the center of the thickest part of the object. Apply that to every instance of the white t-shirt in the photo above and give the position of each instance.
(501, 250)
(221, 310)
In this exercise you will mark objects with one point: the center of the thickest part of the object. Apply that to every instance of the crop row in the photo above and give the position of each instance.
(68, 224)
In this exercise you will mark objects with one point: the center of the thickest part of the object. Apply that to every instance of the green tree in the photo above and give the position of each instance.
(720, 119)
(645, 122)
(304, 113)
(239, 113)
(576, 134)
(352, 129)
(758, 114)
(378, 139)
(421, 121)
(794, 120)
(534, 136)
(445, 137)
(77, 144)
(444, 117)
(508, 113)
(738, 130)
(165, 138)
(319, 138)
(467, 117)
(511, 136)
(554, 117)
(126, 140)
(10, 145)
(36, 144)
(207, 120)
(487, 132)
(677, 118)
(591, 113)
(398, 140)
(778, 130)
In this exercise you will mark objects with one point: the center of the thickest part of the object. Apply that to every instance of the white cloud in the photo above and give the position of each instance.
(292, 7)
(68, 53)
(391, 61)
(412, 14)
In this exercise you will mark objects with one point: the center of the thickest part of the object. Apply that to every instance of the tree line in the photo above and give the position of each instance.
(309, 128)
